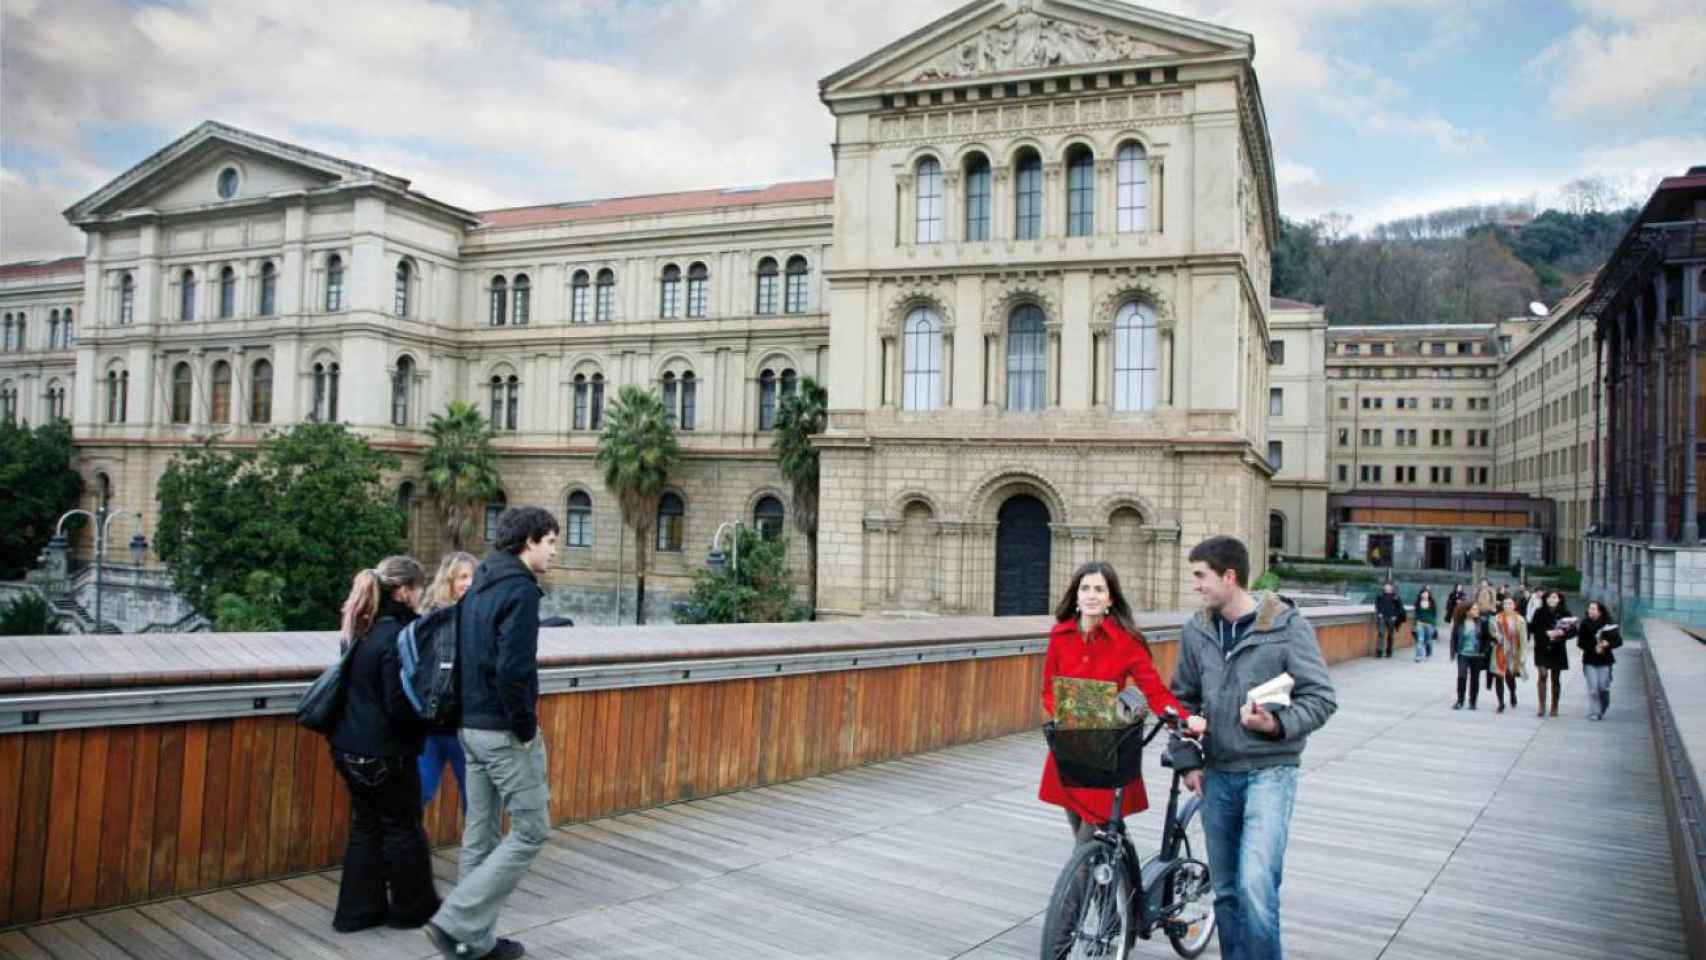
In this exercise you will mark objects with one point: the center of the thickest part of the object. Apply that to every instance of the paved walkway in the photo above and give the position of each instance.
(1420, 832)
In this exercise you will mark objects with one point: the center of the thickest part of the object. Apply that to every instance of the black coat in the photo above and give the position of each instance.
(500, 648)
(1388, 607)
(377, 719)
(1483, 638)
(1587, 638)
(1549, 654)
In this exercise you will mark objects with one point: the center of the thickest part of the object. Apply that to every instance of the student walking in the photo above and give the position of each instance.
(1510, 648)
(1596, 637)
(1094, 638)
(499, 673)
(1389, 616)
(1471, 641)
(455, 573)
(1247, 774)
(1427, 624)
(387, 876)
(1547, 631)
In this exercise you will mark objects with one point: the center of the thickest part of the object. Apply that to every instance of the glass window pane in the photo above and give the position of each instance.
(1131, 171)
(929, 212)
(1136, 368)
(1026, 351)
(977, 200)
(921, 369)
(1028, 197)
(1080, 194)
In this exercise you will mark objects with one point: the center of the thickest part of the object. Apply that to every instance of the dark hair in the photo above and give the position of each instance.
(1118, 609)
(1563, 608)
(1604, 611)
(519, 526)
(1223, 554)
(1428, 593)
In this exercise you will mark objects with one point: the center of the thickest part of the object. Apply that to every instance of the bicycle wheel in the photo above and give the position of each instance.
(1089, 913)
(1191, 894)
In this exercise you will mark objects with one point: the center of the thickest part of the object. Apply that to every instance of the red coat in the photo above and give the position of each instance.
(1113, 655)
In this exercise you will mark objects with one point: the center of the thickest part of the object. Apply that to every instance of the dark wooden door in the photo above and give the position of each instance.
(1021, 557)
(1439, 553)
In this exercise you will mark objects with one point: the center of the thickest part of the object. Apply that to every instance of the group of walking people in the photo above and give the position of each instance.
(1498, 635)
(392, 763)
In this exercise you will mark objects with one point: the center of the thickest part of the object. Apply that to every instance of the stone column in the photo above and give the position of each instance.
(1000, 203)
(1637, 426)
(1691, 309)
(1659, 462)
(1596, 515)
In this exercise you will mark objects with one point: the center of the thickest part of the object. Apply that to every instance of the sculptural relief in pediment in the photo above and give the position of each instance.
(1028, 39)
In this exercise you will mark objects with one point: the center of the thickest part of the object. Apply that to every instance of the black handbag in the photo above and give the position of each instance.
(323, 702)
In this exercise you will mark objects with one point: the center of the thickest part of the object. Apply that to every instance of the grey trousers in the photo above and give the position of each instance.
(1599, 689)
(504, 775)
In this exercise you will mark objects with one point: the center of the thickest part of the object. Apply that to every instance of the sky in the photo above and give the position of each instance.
(1377, 108)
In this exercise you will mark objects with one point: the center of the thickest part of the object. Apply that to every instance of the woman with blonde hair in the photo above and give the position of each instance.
(455, 572)
(387, 876)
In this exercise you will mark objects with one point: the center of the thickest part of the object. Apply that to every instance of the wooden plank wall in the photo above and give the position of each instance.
(114, 815)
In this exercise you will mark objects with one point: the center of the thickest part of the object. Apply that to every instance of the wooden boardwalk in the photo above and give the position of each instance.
(1420, 832)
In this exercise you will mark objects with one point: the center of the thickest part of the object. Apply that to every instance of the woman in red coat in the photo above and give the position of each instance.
(1094, 638)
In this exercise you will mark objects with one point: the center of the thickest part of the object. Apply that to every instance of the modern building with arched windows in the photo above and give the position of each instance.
(1035, 288)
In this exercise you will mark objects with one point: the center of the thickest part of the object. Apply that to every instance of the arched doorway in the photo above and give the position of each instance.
(1021, 557)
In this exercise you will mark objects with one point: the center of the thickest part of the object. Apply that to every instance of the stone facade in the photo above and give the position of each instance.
(1298, 428)
(233, 283)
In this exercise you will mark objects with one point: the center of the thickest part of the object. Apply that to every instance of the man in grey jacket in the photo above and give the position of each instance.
(1247, 773)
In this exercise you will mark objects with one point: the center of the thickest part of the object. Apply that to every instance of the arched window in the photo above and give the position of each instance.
(6, 344)
(400, 288)
(790, 384)
(334, 283)
(977, 198)
(500, 301)
(794, 297)
(1080, 191)
(221, 392)
(67, 334)
(227, 293)
(697, 279)
(669, 292)
(672, 515)
(921, 365)
(182, 386)
(766, 298)
(494, 509)
(186, 295)
(1131, 176)
(928, 217)
(405, 499)
(8, 402)
(55, 400)
(589, 401)
(767, 516)
(1028, 196)
(269, 289)
(606, 300)
(401, 380)
(689, 400)
(332, 394)
(1137, 373)
(103, 491)
(581, 399)
(1026, 351)
(321, 387)
(597, 402)
(21, 342)
(1276, 531)
(260, 393)
(579, 289)
(522, 309)
(767, 400)
(53, 330)
(506, 397)
(126, 299)
(669, 398)
(579, 533)
(118, 384)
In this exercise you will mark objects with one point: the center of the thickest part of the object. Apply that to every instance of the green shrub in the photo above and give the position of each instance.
(28, 616)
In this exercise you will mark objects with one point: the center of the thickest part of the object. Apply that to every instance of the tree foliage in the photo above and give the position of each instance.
(460, 469)
(802, 416)
(637, 450)
(761, 591)
(307, 505)
(260, 607)
(39, 485)
(28, 616)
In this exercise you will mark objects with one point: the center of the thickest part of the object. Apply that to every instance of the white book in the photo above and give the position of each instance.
(1275, 692)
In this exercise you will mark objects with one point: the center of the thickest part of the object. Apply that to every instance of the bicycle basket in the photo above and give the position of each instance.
(1099, 759)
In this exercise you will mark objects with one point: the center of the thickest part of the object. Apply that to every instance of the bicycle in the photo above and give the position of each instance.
(1107, 897)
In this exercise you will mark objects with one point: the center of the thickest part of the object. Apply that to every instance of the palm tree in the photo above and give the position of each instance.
(460, 468)
(636, 451)
(802, 415)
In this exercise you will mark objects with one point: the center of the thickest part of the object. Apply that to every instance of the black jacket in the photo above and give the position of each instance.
(377, 719)
(1587, 638)
(1388, 607)
(1483, 638)
(500, 648)
(1549, 654)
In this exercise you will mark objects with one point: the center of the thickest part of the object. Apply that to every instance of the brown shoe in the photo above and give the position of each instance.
(1554, 708)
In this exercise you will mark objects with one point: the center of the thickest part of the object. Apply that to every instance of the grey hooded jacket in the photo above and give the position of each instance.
(1213, 683)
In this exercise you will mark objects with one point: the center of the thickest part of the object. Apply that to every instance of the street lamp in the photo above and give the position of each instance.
(716, 558)
(103, 521)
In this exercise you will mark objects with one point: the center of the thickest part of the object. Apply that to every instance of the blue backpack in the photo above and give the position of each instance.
(428, 651)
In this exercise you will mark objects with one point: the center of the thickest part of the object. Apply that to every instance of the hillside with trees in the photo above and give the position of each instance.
(1470, 264)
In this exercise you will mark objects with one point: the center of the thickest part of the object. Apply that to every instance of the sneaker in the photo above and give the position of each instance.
(447, 947)
(1458, 705)
(506, 950)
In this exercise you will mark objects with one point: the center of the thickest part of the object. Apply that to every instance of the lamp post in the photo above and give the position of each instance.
(103, 520)
(715, 559)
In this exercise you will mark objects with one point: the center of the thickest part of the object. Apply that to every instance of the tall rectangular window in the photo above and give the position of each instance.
(977, 200)
(1276, 402)
(1137, 374)
(1131, 172)
(1080, 193)
(929, 218)
(1028, 198)
(1276, 454)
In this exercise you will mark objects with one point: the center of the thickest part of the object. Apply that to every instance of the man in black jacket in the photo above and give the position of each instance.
(1389, 616)
(499, 672)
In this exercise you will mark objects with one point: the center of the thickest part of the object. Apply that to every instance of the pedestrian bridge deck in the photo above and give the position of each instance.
(1420, 832)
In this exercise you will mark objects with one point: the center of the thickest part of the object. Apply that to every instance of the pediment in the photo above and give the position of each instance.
(195, 182)
(1004, 38)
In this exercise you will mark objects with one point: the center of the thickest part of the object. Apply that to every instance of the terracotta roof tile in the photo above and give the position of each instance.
(40, 268)
(659, 203)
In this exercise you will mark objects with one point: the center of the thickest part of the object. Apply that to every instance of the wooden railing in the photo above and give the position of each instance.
(138, 767)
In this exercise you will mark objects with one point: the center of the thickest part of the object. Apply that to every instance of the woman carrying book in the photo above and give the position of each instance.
(1094, 638)
(1596, 637)
(1547, 632)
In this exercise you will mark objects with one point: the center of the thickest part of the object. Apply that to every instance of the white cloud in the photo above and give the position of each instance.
(32, 228)
(1631, 55)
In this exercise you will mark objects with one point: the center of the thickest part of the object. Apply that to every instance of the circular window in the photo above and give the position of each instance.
(227, 183)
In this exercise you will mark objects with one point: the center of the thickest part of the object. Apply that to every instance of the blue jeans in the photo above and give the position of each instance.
(1246, 819)
(439, 748)
(1424, 640)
